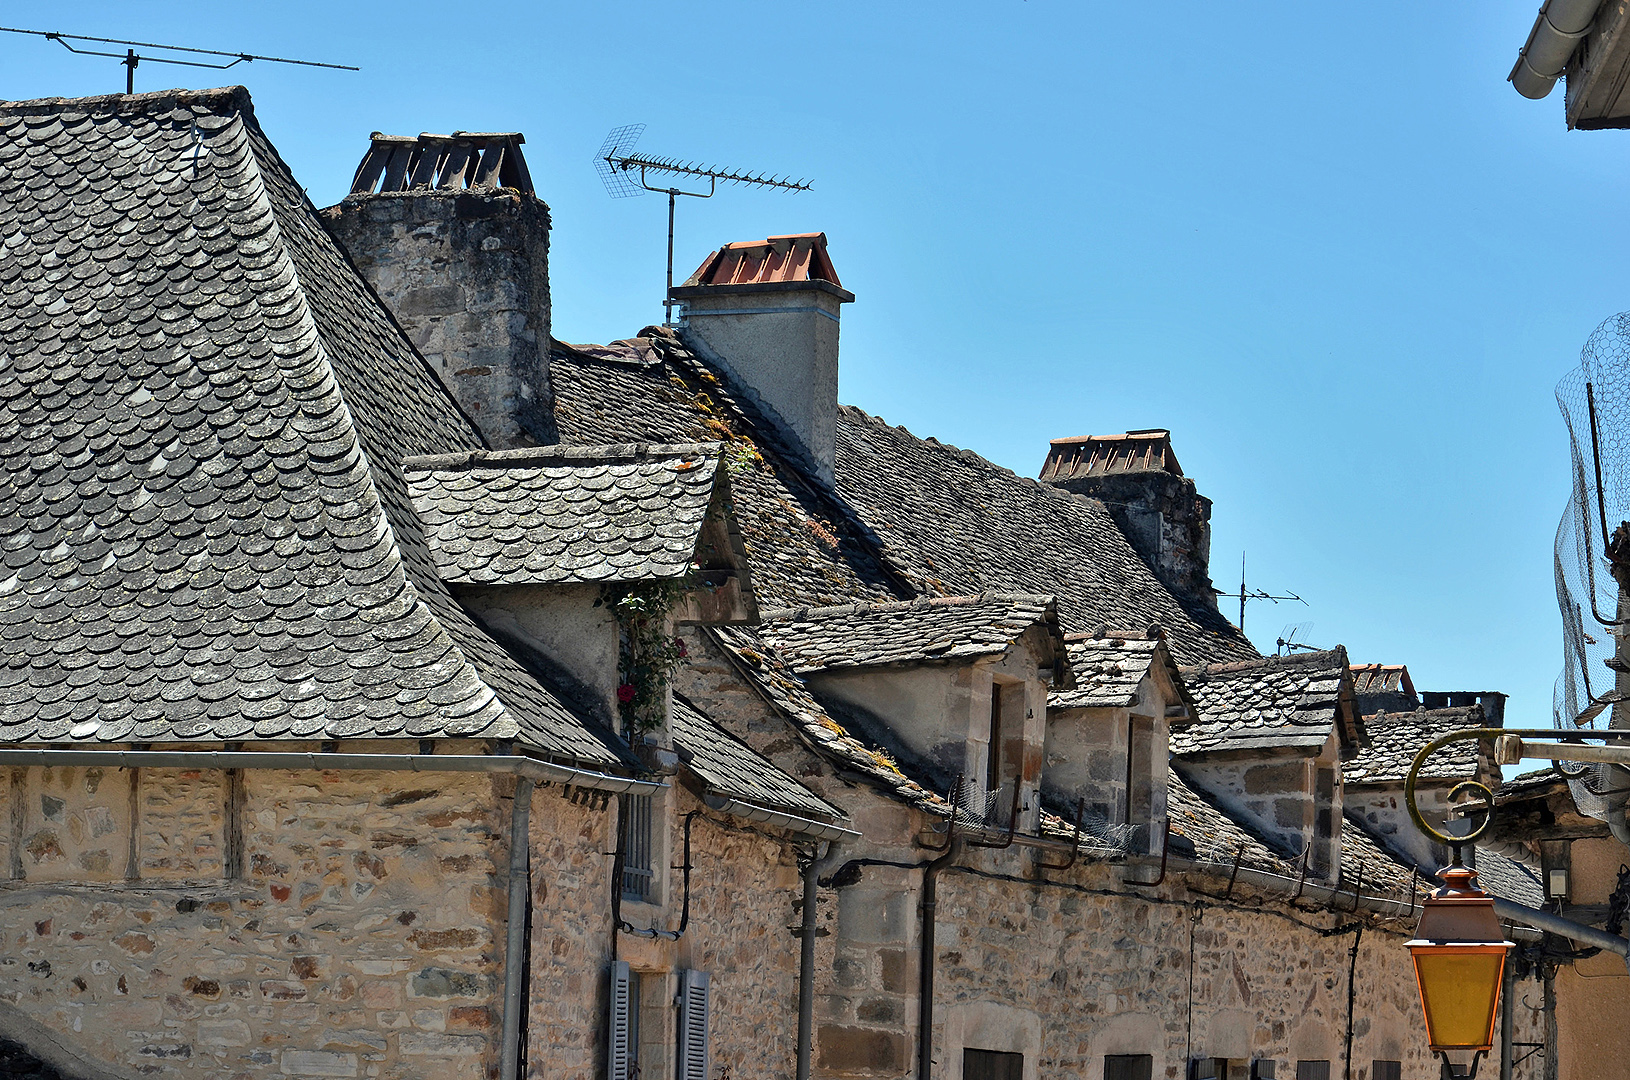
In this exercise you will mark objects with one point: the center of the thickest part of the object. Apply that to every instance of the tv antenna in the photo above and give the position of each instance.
(1287, 642)
(1245, 594)
(130, 57)
(616, 163)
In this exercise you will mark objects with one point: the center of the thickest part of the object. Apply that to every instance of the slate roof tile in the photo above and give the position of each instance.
(203, 408)
(1109, 666)
(730, 767)
(556, 514)
(1273, 701)
(958, 524)
(1395, 738)
(907, 632)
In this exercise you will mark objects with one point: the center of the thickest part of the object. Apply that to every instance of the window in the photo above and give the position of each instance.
(1386, 1070)
(993, 750)
(636, 846)
(1312, 1070)
(1128, 1066)
(991, 1065)
(1212, 1068)
(693, 1032)
(1324, 832)
(1264, 1068)
(620, 1046)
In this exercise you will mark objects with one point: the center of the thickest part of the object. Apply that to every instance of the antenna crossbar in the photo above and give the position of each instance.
(630, 162)
(130, 58)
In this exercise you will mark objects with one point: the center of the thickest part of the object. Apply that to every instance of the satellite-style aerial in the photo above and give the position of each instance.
(130, 57)
(617, 163)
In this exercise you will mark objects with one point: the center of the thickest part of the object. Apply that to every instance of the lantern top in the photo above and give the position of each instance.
(1460, 913)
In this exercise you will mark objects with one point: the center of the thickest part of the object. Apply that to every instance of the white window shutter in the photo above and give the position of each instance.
(617, 1055)
(693, 1033)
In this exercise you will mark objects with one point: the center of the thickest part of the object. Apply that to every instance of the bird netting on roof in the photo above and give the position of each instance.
(1592, 556)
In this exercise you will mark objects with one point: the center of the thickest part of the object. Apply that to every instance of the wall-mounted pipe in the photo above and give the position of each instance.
(1558, 29)
(803, 826)
(520, 882)
(806, 958)
(925, 964)
(515, 764)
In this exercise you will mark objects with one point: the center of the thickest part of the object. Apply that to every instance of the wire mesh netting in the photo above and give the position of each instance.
(1593, 690)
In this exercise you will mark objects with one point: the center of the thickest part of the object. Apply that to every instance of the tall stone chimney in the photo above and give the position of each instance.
(1137, 477)
(450, 234)
(767, 311)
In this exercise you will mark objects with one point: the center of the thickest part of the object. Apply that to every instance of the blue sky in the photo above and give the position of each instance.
(1327, 245)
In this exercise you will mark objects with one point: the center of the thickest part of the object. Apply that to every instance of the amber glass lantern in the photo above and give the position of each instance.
(1460, 953)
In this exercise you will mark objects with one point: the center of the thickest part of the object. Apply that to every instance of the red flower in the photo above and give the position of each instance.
(679, 643)
(625, 693)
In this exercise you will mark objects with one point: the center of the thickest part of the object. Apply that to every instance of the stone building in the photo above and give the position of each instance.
(394, 690)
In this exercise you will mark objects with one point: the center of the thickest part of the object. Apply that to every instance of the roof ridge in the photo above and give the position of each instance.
(1290, 660)
(129, 103)
(916, 604)
(561, 452)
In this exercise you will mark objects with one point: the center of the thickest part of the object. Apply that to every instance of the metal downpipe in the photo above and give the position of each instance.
(925, 964)
(806, 959)
(515, 932)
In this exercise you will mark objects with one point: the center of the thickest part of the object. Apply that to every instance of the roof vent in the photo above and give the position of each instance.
(796, 257)
(464, 160)
(1145, 450)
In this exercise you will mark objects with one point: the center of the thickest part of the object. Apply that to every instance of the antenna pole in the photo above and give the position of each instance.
(130, 62)
(1242, 593)
(668, 296)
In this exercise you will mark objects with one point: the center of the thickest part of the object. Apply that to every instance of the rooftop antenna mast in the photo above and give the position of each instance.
(1245, 594)
(130, 57)
(617, 163)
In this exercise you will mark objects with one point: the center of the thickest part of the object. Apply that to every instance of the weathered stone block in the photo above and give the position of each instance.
(439, 1045)
(1275, 779)
(868, 915)
(861, 1050)
(899, 969)
(317, 1063)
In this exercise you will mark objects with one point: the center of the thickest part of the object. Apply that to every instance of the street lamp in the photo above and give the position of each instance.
(1459, 952)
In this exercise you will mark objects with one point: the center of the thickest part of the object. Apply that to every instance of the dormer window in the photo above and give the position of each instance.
(1107, 738)
(956, 684)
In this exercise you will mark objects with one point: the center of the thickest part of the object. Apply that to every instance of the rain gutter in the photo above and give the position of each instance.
(1558, 29)
(532, 768)
(803, 826)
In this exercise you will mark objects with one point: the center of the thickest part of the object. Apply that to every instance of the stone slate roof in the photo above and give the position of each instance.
(203, 529)
(908, 517)
(565, 514)
(1395, 738)
(1275, 701)
(1212, 832)
(1509, 878)
(730, 767)
(805, 548)
(910, 632)
(1109, 666)
(958, 525)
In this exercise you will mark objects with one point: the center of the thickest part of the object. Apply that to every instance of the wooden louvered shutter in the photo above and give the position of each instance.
(693, 1040)
(617, 1027)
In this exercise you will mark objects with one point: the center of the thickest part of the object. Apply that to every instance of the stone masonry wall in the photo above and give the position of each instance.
(364, 940)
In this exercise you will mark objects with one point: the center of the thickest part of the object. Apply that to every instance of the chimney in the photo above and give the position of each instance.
(1137, 477)
(448, 231)
(767, 311)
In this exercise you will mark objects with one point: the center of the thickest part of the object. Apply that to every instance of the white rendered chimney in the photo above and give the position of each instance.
(767, 311)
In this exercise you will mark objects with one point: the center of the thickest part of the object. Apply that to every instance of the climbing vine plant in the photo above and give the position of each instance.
(647, 655)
